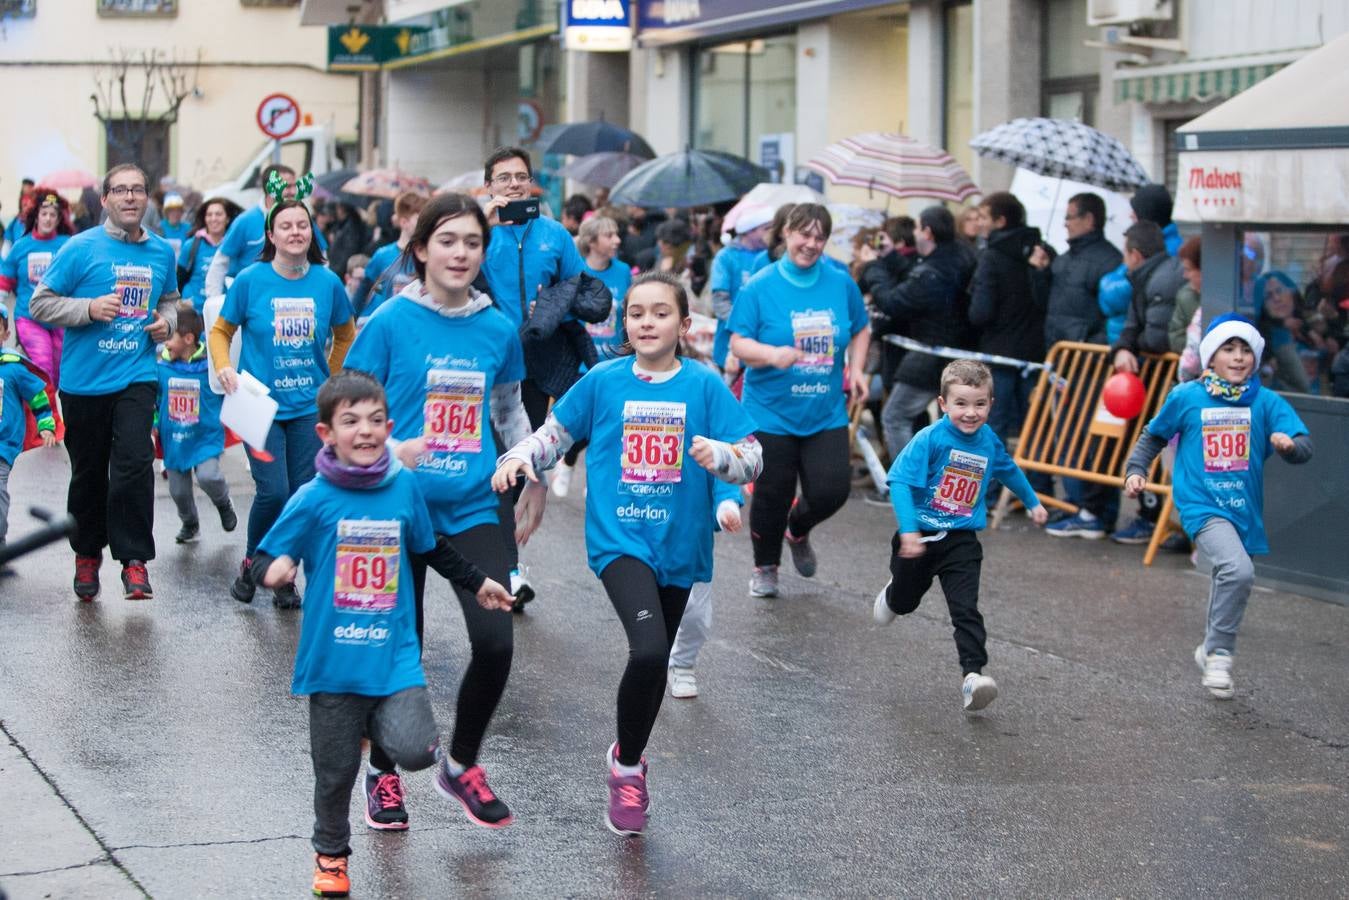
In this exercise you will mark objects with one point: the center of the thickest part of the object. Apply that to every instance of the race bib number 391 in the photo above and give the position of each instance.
(367, 565)
(132, 288)
(453, 411)
(653, 442)
(961, 480)
(184, 401)
(1227, 438)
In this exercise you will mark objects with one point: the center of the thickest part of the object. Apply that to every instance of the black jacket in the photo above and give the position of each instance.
(1148, 320)
(1009, 296)
(1075, 277)
(555, 344)
(930, 305)
(898, 265)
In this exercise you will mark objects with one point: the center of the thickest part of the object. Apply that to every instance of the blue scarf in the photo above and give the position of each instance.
(1242, 394)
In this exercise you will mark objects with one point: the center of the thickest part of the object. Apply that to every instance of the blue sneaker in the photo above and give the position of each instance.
(1139, 531)
(1080, 525)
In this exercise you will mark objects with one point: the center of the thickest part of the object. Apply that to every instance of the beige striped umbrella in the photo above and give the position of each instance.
(895, 165)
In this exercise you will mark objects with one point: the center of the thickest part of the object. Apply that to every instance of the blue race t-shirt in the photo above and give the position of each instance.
(358, 634)
(1219, 470)
(438, 373)
(606, 335)
(286, 327)
(245, 237)
(105, 357)
(189, 413)
(27, 262)
(386, 277)
(819, 320)
(646, 496)
(947, 471)
(195, 289)
(549, 257)
(18, 386)
(732, 269)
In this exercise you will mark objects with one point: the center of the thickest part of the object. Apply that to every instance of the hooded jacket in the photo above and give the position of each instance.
(1073, 313)
(1009, 296)
(556, 344)
(1148, 320)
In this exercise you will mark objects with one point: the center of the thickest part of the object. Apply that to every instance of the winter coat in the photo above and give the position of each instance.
(1116, 292)
(931, 305)
(1148, 322)
(556, 345)
(1073, 313)
(898, 265)
(1008, 296)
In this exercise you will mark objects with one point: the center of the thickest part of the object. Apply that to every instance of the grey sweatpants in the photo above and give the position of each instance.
(212, 482)
(1232, 577)
(401, 724)
(4, 500)
(693, 628)
(904, 404)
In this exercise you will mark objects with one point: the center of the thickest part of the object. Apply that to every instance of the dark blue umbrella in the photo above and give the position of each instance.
(691, 178)
(584, 138)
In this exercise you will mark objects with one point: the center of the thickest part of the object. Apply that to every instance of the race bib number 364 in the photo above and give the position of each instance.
(453, 411)
(1227, 438)
(961, 480)
(653, 442)
(367, 565)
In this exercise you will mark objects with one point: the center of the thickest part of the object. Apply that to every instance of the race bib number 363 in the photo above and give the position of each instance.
(184, 401)
(1227, 438)
(367, 565)
(961, 480)
(453, 410)
(653, 442)
(132, 288)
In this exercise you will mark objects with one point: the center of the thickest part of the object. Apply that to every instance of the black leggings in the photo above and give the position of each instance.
(821, 461)
(650, 614)
(490, 636)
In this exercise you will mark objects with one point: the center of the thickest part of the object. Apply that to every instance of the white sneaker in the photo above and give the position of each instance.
(1217, 669)
(561, 480)
(683, 686)
(763, 581)
(978, 691)
(880, 610)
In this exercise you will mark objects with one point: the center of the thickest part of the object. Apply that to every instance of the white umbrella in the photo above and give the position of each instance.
(772, 196)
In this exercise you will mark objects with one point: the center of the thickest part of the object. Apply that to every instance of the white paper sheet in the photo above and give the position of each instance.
(249, 411)
(209, 312)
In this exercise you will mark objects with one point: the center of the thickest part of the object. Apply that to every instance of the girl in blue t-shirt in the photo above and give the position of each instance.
(290, 307)
(46, 229)
(790, 327)
(213, 219)
(648, 509)
(451, 364)
(1227, 425)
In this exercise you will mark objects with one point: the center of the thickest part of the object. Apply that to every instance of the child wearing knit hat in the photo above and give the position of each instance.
(1227, 426)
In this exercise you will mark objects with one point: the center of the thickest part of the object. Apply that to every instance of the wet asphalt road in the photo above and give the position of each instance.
(152, 748)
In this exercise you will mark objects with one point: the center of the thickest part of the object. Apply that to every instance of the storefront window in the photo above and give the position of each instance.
(958, 112)
(744, 91)
(1071, 80)
(1295, 284)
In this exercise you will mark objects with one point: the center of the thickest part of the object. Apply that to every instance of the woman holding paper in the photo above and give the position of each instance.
(289, 306)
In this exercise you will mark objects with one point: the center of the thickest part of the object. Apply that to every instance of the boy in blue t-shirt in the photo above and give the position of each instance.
(20, 387)
(1228, 426)
(937, 486)
(356, 526)
(189, 426)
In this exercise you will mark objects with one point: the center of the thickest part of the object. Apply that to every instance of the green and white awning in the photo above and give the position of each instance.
(1198, 80)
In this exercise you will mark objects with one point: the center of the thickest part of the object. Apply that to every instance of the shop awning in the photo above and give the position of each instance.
(1196, 80)
(1277, 153)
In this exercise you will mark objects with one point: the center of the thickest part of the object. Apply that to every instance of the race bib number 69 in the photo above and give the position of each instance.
(367, 565)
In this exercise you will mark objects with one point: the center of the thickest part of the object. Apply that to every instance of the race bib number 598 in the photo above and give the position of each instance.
(1227, 438)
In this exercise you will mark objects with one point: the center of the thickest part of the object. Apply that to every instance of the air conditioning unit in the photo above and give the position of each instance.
(1122, 12)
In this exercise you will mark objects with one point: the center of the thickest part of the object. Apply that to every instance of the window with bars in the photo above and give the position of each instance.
(138, 7)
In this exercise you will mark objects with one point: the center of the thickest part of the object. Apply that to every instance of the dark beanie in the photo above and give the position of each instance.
(1152, 203)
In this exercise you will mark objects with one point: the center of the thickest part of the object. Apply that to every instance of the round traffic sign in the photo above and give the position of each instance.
(278, 116)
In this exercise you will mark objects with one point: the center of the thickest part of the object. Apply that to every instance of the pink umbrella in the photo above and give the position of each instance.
(69, 179)
(386, 183)
(895, 165)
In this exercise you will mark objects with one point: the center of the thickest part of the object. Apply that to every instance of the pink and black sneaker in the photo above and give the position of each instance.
(473, 793)
(629, 800)
(384, 809)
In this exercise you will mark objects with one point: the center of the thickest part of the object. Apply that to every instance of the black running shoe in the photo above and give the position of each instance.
(189, 533)
(286, 597)
(229, 519)
(243, 588)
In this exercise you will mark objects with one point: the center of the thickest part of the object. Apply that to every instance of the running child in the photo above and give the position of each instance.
(20, 388)
(1228, 425)
(357, 526)
(937, 487)
(648, 509)
(189, 426)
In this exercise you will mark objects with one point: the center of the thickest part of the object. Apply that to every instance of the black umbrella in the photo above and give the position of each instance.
(584, 138)
(328, 186)
(691, 178)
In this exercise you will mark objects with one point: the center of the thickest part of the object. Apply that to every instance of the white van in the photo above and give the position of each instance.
(309, 149)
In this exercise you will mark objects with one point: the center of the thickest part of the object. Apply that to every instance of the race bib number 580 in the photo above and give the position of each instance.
(961, 480)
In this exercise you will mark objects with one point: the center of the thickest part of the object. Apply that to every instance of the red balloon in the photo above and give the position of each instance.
(1124, 395)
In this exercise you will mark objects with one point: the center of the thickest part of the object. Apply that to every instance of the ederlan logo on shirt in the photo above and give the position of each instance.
(376, 634)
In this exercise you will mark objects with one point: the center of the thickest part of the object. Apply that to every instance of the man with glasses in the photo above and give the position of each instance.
(115, 290)
(522, 259)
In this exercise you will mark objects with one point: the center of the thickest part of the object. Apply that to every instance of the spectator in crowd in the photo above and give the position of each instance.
(973, 226)
(574, 212)
(638, 236)
(15, 229)
(349, 237)
(1150, 203)
(1184, 332)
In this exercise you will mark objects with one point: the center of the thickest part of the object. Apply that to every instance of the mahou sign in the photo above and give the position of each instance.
(1299, 187)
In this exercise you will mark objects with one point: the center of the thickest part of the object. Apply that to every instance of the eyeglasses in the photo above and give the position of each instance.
(121, 190)
(505, 178)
